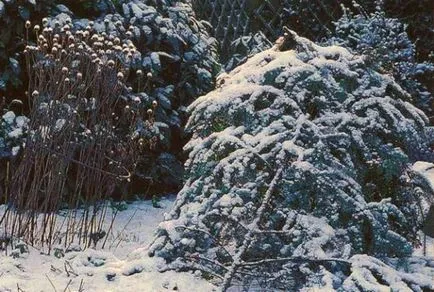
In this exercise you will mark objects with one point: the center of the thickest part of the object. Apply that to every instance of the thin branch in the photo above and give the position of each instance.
(52, 285)
(294, 259)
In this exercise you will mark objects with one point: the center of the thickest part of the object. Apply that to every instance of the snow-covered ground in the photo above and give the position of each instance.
(426, 170)
(123, 266)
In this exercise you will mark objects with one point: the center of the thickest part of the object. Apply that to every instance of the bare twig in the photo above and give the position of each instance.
(52, 285)
(67, 285)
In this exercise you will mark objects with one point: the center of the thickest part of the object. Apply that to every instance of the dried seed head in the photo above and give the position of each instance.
(106, 21)
(109, 52)
(79, 76)
(131, 28)
(64, 70)
(120, 76)
(36, 28)
(71, 46)
(129, 34)
(35, 93)
(118, 48)
(94, 56)
(118, 23)
(154, 104)
(149, 112)
(149, 75)
(54, 50)
(71, 38)
(111, 63)
(66, 27)
(57, 24)
(88, 28)
(139, 72)
(91, 23)
(67, 81)
(44, 21)
(28, 24)
(117, 41)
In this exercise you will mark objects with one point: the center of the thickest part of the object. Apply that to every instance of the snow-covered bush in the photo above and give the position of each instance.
(297, 165)
(418, 16)
(388, 48)
(177, 63)
(12, 132)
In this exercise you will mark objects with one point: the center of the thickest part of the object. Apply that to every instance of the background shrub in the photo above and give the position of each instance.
(178, 60)
(388, 49)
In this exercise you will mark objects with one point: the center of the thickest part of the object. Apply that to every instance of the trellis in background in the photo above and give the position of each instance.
(232, 19)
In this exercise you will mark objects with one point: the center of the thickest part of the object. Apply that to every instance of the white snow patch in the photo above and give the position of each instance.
(9, 117)
(123, 266)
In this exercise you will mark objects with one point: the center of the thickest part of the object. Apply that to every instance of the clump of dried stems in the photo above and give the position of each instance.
(82, 141)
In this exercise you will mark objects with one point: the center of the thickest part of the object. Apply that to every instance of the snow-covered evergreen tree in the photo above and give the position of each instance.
(297, 166)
